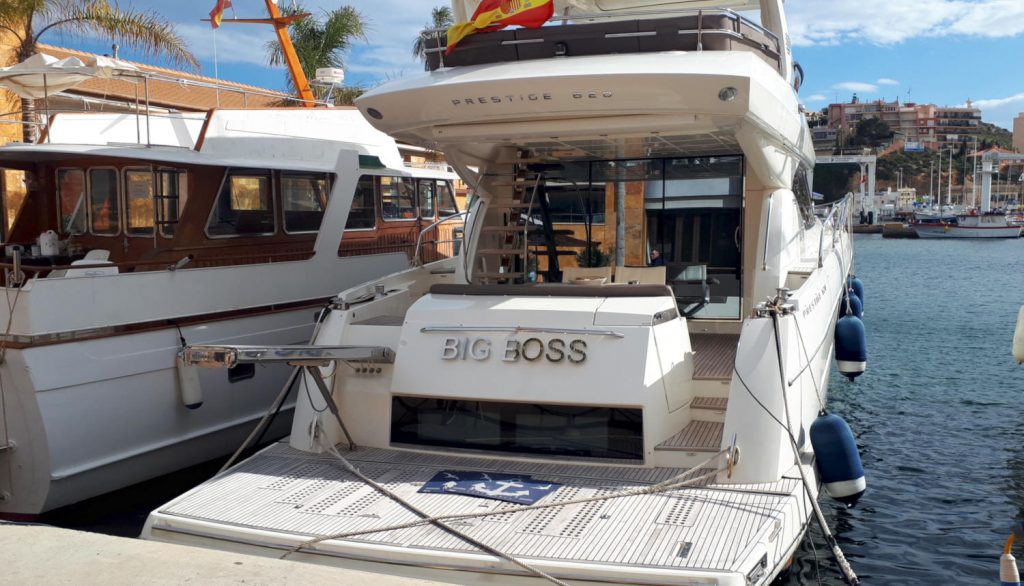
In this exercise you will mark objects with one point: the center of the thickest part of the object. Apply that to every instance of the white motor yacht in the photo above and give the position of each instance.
(510, 416)
(131, 235)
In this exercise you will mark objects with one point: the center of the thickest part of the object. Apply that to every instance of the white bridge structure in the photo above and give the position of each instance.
(868, 164)
(989, 167)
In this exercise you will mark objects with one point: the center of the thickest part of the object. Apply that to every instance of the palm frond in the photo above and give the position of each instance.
(320, 42)
(440, 17)
(144, 31)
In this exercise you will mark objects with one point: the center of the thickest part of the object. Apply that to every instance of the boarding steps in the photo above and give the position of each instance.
(503, 249)
(714, 356)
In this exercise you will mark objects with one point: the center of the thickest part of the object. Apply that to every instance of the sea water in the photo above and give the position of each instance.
(938, 416)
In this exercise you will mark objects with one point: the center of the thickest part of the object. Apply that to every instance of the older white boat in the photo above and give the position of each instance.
(157, 231)
(656, 417)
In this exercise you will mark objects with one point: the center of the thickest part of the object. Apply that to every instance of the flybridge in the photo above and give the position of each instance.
(463, 9)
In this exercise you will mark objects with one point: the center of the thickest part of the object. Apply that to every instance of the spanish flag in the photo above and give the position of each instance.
(493, 15)
(217, 14)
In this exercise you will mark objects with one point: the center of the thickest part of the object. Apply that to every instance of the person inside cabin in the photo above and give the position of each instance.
(72, 200)
(656, 259)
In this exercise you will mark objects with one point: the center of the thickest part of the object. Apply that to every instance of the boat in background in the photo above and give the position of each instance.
(139, 234)
(627, 424)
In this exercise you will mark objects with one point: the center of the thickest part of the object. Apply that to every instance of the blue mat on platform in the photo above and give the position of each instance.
(511, 488)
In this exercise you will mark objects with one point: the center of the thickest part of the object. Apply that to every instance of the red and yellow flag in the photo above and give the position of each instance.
(493, 15)
(217, 14)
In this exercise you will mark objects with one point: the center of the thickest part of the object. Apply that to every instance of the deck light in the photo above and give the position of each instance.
(374, 113)
(728, 94)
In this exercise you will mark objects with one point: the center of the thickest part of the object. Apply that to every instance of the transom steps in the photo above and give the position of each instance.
(697, 436)
(714, 356)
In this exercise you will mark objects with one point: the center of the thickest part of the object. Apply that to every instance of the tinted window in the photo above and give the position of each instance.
(303, 200)
(244, 206)
(398, 198)
(362, 215)
(138, 197)
(562, 430)
(71, 196)
(104, 205)
(446, 199)
(426, 198)
(14, 186)
(172, 192)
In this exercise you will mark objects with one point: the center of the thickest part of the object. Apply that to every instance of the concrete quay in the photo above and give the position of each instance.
(48, 555)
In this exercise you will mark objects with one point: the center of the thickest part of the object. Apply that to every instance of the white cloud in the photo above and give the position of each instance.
(856, 86)
(884, 22)
(232, 44)
(816, 98)
(1001, 111)
(887, 81)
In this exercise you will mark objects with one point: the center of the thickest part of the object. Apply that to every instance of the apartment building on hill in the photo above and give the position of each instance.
(930, 125)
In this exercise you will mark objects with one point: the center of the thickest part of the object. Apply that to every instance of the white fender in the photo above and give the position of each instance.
(1018, 338)
(188, 383)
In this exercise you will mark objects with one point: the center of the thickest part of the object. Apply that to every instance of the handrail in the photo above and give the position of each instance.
(416, 261)
(437, 34)
(838, 215)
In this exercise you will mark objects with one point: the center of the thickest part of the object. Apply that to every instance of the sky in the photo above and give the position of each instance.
(926, 51)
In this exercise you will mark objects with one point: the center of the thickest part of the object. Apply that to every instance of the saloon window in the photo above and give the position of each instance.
(138, 199)
(104, 203)
(362, 215)
(802, 192)
(446, 199)
(303, 199)
(171, 195)
(425, 192)
(398, 198)
(14, 188)
(244, 206)
(71, 199)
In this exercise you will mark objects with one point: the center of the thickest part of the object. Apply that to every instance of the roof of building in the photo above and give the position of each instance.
(186, 91)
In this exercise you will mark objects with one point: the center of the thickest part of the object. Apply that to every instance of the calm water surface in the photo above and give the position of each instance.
(938, 417)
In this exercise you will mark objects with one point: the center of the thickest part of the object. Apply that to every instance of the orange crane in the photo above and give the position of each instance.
(280, 24)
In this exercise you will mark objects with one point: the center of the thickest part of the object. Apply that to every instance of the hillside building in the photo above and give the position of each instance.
(1018, 133)
(929, 125)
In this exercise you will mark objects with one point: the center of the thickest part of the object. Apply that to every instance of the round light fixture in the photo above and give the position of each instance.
(728, 94)
(374, 113)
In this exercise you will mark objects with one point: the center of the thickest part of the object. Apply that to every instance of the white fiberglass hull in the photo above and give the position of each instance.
(94, 416)
(967, 231)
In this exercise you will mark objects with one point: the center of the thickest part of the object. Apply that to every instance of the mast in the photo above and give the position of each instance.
(280, 24)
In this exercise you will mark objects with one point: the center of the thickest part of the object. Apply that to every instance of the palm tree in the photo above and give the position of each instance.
(441, 17)
(28, 20)
(322, 42)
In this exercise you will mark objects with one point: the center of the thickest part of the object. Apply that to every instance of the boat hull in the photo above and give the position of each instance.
(113, 415)
(967, 231)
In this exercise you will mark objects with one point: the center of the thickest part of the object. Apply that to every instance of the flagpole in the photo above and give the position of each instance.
(216, 72)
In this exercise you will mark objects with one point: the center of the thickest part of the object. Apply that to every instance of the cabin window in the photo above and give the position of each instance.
(104, 202)
(14, 188)
(244, 206)
(519, 428)
(802, 192)
(71, 197)
(398, 198)
(303, 199)
(139, 189)
(446, 199)
(171, 195)
(362, 215)
(426, 198)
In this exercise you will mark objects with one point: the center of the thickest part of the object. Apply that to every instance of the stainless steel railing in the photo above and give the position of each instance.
(417, 259)
(835, 223)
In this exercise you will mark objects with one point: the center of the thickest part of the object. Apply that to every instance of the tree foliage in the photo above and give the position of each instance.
(321, 42)
(440, 18)
(29, 20)
(871, 132)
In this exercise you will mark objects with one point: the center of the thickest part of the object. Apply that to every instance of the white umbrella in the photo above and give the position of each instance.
(41, 74)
